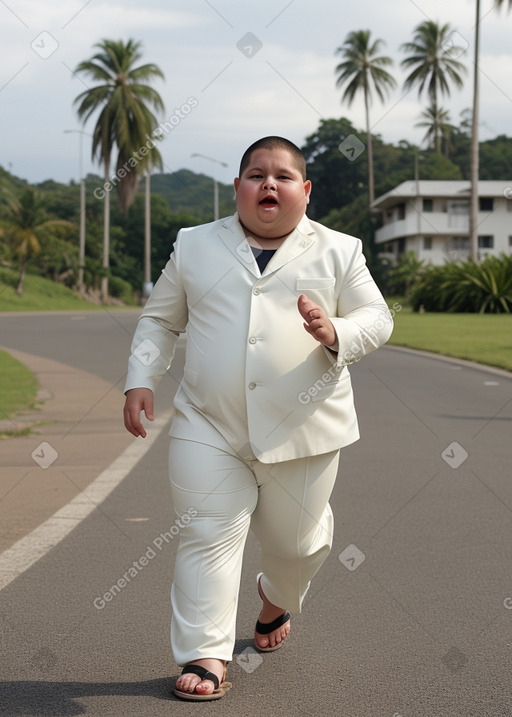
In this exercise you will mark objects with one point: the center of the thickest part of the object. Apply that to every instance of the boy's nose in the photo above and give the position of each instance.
(269, 184)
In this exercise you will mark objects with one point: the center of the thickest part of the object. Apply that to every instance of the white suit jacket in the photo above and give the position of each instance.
(252, 373)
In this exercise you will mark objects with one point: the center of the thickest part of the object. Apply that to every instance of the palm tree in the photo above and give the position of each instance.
(363, 70)
(433, 64)
(439, 127)
(125, 120)
(473, 215)
(26, 223)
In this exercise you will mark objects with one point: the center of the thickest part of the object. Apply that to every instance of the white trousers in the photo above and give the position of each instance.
(286, 505)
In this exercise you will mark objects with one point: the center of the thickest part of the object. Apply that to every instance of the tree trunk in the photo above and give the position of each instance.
(106, 240)
(473, 216)
(437, 133)
(146, 288)
(371, 190)
(21, 282)
(438, 141)
(81, 244)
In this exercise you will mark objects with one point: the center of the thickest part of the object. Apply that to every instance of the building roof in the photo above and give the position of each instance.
(447, 188)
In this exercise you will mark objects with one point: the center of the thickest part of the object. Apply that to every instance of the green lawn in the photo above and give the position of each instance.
(484, 338)
(18, 387)
(41, 294)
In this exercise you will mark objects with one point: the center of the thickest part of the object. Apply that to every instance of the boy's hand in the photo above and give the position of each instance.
(137, 400)
(316, 321)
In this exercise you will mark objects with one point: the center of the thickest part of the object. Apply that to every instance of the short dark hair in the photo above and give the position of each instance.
(274, 142)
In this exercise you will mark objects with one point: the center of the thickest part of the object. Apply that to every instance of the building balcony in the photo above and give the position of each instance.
(425, 224)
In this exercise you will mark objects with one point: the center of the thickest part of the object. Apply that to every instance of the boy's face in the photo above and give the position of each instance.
(271, 196)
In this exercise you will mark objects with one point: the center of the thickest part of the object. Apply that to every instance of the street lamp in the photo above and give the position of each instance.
(81, 249)
(215, 186)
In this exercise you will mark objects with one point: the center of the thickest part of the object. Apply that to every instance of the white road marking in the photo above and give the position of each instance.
(31, 548)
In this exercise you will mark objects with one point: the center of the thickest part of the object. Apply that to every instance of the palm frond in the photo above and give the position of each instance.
(123, 101)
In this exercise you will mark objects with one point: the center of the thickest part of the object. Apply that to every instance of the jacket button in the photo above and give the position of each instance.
(256, 292)
(252, 385)
(252, 340)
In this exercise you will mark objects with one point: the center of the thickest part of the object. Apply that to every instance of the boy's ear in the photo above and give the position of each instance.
(236, 182)
(307, 189)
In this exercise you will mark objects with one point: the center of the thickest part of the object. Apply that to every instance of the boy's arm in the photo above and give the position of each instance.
(363, 322)
(163, 319)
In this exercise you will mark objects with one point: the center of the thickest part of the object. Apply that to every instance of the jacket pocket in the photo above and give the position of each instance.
(320, 391)
(315, 283)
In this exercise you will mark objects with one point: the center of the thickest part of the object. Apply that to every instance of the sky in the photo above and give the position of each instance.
(234, 71)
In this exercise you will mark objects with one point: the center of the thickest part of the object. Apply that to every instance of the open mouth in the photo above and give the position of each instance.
(268, 201)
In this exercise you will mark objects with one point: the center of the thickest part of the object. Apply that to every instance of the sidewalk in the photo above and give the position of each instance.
(41, 472)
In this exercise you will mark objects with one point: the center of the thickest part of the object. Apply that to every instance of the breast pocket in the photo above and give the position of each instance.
(315, 283)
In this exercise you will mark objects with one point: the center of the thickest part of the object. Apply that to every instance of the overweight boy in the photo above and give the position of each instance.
(275, 307)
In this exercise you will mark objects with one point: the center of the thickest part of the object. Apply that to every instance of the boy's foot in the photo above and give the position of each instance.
(193, 683)
(270, 613)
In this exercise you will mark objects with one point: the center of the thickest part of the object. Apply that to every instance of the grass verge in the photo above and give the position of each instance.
(41, 294)
(18, 387)
(483, 338)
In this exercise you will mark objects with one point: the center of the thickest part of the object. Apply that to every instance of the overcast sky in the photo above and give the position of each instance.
(249, 69)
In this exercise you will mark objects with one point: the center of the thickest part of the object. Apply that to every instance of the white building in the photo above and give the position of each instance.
(431, 218)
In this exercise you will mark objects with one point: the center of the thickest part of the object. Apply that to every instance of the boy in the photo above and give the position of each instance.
(275, 307)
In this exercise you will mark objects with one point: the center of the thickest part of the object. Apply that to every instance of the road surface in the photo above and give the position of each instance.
(411, 615)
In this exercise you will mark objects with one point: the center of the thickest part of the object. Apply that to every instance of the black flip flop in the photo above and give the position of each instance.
(218, 692)
(265, 628)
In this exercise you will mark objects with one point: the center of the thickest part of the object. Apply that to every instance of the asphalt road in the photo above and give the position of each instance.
(411, 615)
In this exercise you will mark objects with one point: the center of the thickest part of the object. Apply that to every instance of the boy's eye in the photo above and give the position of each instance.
(260, 176)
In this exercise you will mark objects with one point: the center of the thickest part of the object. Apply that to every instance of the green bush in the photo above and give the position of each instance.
(466, 287)
(121, 289)
(405, 274)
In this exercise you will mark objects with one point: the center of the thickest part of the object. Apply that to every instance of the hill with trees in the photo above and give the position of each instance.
(184, 198)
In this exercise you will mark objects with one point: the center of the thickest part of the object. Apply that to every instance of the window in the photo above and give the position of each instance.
(510, 241)
(427, 243)
(485, 242)
(486, 204)
(400, 211)
(458, 208)
(460, 243)
(428, 205)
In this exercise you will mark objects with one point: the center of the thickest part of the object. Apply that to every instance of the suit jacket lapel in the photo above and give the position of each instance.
(296, 244)
(232, 235)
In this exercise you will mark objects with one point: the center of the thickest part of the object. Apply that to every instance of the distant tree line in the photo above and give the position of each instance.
(339, 199)
(39, 224)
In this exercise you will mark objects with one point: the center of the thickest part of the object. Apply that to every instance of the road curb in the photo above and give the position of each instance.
(451, 359)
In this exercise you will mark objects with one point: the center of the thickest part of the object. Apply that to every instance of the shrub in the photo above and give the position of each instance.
(120, 289)
(466, 287)
(405, 274)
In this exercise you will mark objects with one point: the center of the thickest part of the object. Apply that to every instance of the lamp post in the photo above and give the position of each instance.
(417, 158)
(81, 247)
(147, 284)
(215, 186)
